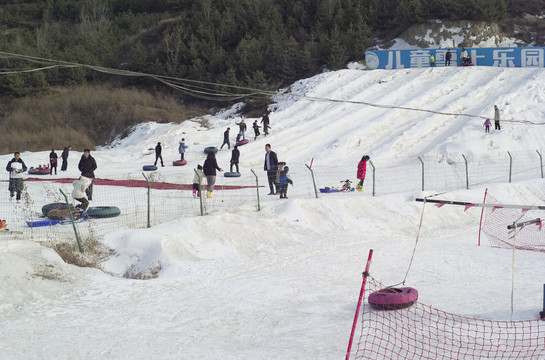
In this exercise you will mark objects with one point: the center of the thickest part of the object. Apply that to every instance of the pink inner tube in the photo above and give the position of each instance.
(393, 298)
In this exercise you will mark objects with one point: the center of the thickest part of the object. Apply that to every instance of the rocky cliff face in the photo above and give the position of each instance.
(445, 34)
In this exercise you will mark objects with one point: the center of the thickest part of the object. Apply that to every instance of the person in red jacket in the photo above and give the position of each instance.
(362, 168)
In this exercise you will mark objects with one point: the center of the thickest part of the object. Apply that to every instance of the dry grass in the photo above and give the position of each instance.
(84, 116)
(94, 252)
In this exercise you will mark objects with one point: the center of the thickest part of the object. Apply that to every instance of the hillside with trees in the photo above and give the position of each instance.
(261, 44)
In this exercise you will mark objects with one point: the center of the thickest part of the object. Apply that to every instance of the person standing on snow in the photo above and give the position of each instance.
(242, 130)
(496, 118)
(210, 166)
(87, 165)
(197, 181)
(158, 151)
(448, 56)
(235, 155)
(271, 167)
(432, 60)
(486, 125)
(64, 157)
(362, 169)
(226, 139)
(283, 181)
(182, 148)
(265, 121)
(256, 129)
(16, 167)
(53, 162)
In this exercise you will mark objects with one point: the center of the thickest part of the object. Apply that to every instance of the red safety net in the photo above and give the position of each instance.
(143, 184)
(423, 332)
(530, 237)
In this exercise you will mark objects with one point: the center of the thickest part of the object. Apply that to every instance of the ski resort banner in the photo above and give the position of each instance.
(418, 58)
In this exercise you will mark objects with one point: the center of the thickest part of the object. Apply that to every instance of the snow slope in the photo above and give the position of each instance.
(283, 282)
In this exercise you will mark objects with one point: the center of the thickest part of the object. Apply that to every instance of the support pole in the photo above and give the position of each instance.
(467, 172)
(540, 163)
(373, 167)
(200, 192)
(510, 165)
(149, 198)
(422, 172)
(365, 275)
(69, 206)
(482, 212)
(542, 314)
(257, 189)
(313, 180)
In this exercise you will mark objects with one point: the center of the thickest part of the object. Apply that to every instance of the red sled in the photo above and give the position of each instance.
(467, 64)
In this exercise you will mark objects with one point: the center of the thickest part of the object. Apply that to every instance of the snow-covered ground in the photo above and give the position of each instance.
(283, 283)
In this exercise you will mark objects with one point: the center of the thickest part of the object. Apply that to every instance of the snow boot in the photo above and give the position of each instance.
(209, 195)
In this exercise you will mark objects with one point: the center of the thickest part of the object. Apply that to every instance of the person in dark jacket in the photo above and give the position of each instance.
(265, 121)
(64, 157)
(256, 129)
(158, 150)
(87, 165)
(271, 167)
(16, 167)
(235, 155)
(53, 162)
(210, 166)
(242, 130)
(226, 139)
(448, 56)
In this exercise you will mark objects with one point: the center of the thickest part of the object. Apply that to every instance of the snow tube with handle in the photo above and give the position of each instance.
(242, 142)
(149, 167)
(210, 149)
(103, 211)
(393, 298)
(48, 207)
(179, 162)
(37, 171)
(231, 174)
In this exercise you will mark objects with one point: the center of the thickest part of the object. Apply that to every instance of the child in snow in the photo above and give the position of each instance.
(486, 125)
(78, 193)
(256, 129)
(197, 180)
(362, 168)
(181, 149)
(284, 179)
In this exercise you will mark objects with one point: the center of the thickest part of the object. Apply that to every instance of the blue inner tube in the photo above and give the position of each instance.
(149, 167)
(103, 211)
(232, 174)
(48, 207)
(210, 149)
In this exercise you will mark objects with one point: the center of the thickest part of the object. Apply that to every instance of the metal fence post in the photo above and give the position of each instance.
(257, 188)
(149, 198)
(373, 167)
(467, 172)
(200, 192)
(540, 163)
(313, 180)
(422, 172)
(69, 206)
(510, 165)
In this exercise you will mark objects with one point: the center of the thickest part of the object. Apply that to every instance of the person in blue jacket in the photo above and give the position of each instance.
(182, 148)
(16, 167)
